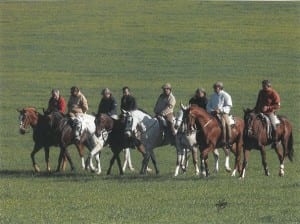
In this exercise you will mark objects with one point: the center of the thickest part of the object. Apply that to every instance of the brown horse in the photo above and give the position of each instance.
(256, 136)
(116, 138)
(43, 135)
(209, 136)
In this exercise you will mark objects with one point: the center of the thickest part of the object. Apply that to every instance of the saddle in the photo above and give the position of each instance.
(266, 120)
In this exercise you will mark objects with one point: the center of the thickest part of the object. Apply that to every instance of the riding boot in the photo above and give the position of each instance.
(274, 139)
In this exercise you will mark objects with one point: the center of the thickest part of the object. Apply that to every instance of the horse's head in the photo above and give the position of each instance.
(181, 118)
(129, 125)
(28, 116)
(249, 117)
(103, 122)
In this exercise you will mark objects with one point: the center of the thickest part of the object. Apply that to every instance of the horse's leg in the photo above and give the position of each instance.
(205, 158)
(32, 155)
(227, 166)
(264, 160)
(97, 157)
(61, 154)
(237, 150)
(80, 148)
(178, 162)
(111, 163)
(67, 156)
(153, 158)
(47, 159)
(195, 159)
(216, 157)
(245, 163)
(127, 160)
(145, 163)
(280, 154)
(119, 163)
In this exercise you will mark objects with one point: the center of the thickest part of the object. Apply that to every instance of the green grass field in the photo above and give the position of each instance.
(143, 44)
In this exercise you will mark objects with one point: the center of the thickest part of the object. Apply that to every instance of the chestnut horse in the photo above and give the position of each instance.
(256, 136)
(209, 136)
(43, 135)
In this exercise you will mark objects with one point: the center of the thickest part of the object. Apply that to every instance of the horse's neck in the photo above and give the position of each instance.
(203, 119)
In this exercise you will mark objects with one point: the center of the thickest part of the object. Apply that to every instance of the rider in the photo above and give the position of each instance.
(77, 106)
(128, 102)
(165, 105)
(268, 102)
(108, 104)
(220, 104)
(56, 102)
(199, 98)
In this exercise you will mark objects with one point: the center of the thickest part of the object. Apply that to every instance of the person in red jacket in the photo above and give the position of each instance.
(268, 102)
(56, 102)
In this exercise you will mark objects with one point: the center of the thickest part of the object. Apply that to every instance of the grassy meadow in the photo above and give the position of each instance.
(143, 44)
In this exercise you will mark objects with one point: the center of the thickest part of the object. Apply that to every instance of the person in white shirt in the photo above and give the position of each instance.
(220, 104)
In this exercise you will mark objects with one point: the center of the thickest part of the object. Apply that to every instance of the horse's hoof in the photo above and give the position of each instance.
(36, 168)
(228, 169)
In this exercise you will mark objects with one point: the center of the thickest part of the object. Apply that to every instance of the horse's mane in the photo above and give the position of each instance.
(142, 110)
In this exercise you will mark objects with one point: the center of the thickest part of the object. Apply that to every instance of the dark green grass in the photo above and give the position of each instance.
(144, 44)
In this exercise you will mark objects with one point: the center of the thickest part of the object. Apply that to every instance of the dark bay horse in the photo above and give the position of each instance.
(116, 139)
(209, 136)
(256, 136)
(43, 135)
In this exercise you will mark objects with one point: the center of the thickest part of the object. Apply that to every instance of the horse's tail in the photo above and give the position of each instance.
(290, 147)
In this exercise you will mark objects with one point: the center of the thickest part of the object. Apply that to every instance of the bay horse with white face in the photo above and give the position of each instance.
(43, 135)
(256, 135)
(209, 136)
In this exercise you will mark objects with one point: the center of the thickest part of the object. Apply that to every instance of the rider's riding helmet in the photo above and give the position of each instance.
(167, 86)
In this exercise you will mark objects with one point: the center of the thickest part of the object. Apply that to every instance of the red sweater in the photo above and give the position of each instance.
(269, 98)
(57, 105)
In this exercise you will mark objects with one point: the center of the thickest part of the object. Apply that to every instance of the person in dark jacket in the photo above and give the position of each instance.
(199, 98)
(128, 102)
(108, 104)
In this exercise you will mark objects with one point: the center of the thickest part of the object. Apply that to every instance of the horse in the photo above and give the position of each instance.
(186, 141)
(150, 131)
(65, 133)
(43, 135)
(256, 135)
(117, 141)
(209, 136)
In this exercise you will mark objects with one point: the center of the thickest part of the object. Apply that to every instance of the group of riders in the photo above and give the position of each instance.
(219, 104)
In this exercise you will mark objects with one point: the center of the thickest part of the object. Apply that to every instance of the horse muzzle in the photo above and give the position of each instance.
(128, 134)
(22, 131)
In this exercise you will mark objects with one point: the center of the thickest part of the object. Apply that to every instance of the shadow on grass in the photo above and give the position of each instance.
(88, 176)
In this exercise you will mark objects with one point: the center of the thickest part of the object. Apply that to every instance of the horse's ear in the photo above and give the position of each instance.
(182, 106)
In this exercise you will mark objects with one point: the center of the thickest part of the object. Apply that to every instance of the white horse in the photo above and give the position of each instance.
(150, 132)
(186, 142)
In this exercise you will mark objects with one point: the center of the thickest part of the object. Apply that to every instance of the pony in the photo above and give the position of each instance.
(186, 141)
(43, 135)
(209, 136)
(150, 131)
(117, 141)
(256, 135)
(65, 134)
